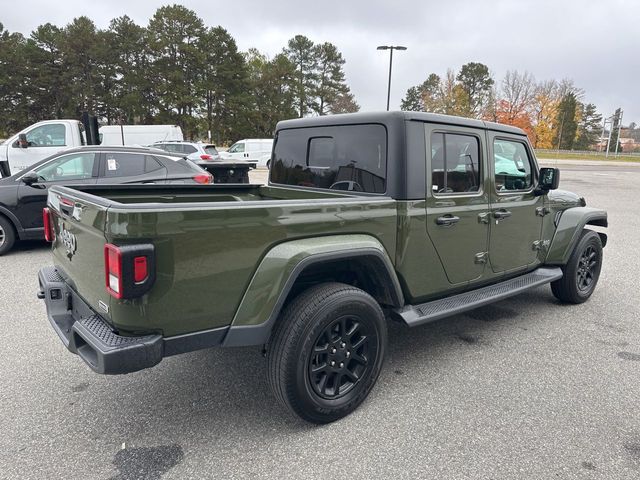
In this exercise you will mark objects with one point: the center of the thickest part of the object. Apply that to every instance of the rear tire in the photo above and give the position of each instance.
(326, 352)
(7, 235)
(582, 271)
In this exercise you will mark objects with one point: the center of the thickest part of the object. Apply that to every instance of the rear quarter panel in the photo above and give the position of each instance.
(207, 254)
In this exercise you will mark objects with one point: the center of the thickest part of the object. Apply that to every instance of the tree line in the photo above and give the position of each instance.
(175, 70)
(552, 113)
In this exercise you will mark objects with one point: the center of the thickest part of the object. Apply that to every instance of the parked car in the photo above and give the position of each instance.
(24, 195)
(252, 150)
(360, 223)
(195, 151)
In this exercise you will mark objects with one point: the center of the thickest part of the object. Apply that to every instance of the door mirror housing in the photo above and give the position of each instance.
(549, 180)
(22, 140)
(29, 178)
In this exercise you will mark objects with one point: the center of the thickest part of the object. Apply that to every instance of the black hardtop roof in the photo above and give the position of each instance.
(392, 117)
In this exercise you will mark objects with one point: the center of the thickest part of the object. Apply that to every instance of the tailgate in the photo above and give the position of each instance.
(78, 247)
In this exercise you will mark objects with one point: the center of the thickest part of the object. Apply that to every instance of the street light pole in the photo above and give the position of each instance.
(391, 48)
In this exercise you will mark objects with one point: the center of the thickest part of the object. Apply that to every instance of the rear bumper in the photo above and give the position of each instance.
(88, 335)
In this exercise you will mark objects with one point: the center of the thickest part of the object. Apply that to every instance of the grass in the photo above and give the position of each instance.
(581, 156)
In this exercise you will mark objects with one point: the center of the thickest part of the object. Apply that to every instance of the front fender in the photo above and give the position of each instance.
(277, 272)
(568, 230)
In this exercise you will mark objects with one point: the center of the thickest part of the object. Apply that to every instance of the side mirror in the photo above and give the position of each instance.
(29, 178)
(549, 180)
(22, 140)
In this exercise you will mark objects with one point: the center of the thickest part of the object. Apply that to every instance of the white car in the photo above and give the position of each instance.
(192, 150)
(250, 150)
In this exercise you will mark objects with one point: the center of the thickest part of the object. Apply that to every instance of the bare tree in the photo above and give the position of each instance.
(518, 93)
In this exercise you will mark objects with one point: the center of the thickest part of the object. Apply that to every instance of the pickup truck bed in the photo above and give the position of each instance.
(209, 240)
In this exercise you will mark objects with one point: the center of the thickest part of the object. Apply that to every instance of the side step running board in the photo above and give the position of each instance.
(414, 315)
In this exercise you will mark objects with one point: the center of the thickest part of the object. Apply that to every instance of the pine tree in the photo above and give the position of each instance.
(300, 51)
(566, 125)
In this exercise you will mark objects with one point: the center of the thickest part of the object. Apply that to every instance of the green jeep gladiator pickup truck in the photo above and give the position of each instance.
(366, 217)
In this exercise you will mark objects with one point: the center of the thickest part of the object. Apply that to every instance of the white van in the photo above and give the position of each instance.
(251, 150)
(138, 134)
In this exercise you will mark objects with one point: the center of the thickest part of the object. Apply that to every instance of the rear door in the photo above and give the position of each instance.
(125, 167)
(79, 168)
(516, 221)
(457, 200)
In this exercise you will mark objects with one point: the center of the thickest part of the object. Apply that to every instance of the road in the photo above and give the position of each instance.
(526, 388)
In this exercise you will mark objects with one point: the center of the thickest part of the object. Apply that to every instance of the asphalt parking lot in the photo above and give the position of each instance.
(526, 388)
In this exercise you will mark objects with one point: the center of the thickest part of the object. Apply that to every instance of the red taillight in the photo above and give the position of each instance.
(113, 270)
(203, 178)
(206, 157)
(129, 269)
(48, 226)
(140, 269)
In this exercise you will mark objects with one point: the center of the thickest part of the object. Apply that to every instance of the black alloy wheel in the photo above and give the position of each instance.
(340, 357)
(586, 268)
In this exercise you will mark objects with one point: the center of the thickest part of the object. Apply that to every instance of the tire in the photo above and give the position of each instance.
(7, 235)
(582, 271)
(330, 322)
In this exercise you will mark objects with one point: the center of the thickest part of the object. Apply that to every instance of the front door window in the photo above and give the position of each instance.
(75, 166)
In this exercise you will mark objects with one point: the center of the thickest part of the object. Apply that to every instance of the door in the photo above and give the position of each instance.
(42, 141)
(237, 151)
(516, 221)
(71, 169)
(130, 168)
(457, 201)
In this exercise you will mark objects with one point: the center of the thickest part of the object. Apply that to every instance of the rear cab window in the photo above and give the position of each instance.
(346, 157)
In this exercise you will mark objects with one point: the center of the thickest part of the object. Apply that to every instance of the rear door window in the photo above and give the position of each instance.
(124, 164)
(455, 163)
(348, 157)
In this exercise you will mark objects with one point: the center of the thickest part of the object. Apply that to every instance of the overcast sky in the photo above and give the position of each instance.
(596, 43)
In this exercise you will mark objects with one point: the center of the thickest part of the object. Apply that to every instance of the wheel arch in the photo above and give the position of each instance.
(288, 267)
(569, 226)
(13, 220)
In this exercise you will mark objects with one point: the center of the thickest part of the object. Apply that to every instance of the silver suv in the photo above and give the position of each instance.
(191, 150)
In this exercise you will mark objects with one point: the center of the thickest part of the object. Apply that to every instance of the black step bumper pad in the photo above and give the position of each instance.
(86, 334)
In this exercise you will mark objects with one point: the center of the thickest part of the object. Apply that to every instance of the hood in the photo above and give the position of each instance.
(564, 199)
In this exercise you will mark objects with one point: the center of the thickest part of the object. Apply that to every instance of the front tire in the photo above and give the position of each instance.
(7, 235)
(326, 352)
(582, 271)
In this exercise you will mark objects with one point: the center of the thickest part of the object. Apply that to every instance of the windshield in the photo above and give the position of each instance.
(210, 149)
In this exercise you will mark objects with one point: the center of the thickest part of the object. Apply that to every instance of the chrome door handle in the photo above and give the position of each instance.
(447, 220)
(499, 214)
